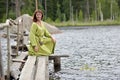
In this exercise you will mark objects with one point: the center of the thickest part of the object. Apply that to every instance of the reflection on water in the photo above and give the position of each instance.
(94, 53)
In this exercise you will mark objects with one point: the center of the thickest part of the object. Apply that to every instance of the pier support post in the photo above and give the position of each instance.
(57, 64)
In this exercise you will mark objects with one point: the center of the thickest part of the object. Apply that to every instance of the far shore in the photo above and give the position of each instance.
(94, 23)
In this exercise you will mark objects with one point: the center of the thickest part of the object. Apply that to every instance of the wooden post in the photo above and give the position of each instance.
(22, 33)
(57, 64)
(8, 54)
(17, 38)
(1, 65)
(57, 61)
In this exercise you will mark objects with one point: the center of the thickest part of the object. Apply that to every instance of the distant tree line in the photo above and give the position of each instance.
(63, 10)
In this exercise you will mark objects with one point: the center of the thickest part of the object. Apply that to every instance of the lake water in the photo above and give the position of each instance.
(94, 53)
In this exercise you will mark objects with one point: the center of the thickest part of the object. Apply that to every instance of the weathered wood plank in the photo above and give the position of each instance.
(18, 60)
(15, 67)
(3, 25)
(28, 69)
(6, 24)
(63, 55)
(52, 57)
(25, 40)
(42, 72)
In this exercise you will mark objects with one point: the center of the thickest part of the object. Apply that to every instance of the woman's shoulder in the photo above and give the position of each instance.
(34, 24)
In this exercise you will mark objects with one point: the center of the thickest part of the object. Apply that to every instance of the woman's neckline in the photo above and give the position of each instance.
(39, 23)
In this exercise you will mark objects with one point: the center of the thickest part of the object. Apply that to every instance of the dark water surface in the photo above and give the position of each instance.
(94, 53)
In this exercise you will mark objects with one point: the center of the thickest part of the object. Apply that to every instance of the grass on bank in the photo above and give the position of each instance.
(95, 23)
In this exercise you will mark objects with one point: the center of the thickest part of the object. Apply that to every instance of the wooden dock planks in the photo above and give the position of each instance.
(42, 72)
(35, 68)
(28, 69)
(15, 67)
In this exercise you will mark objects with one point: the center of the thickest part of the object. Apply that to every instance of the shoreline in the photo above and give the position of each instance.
(81, 24)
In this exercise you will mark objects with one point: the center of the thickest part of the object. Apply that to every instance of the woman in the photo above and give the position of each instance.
(41, 41)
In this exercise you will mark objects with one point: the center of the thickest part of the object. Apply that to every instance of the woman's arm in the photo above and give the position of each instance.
(32, 37)
(32, 34)
(47, 34)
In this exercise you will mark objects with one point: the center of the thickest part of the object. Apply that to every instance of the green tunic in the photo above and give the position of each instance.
(39, 36)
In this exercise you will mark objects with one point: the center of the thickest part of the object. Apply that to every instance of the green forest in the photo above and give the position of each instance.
(63, 10)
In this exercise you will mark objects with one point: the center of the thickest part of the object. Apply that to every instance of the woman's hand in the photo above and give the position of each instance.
(36, 48)
(53, 39)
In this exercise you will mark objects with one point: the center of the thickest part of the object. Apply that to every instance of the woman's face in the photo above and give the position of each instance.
(38, 16)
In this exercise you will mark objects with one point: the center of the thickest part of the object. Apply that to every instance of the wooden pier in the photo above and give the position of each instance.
(27, 67)
(36, 66)
(24, 67)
